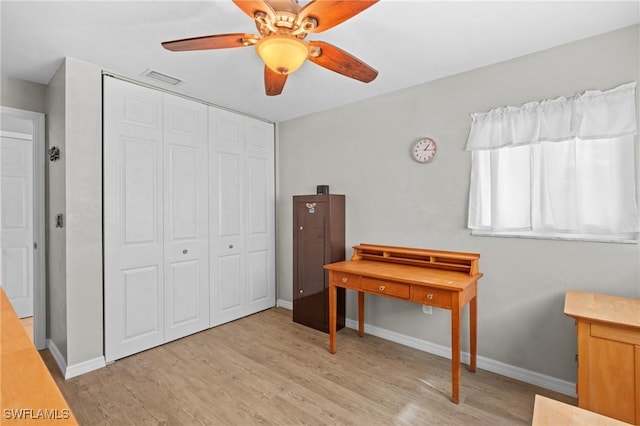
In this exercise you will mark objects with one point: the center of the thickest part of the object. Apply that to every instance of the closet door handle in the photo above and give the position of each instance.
(230, 246)
(185, 251)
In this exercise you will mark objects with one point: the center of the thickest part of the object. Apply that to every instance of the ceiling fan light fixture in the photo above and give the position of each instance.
(282, 53)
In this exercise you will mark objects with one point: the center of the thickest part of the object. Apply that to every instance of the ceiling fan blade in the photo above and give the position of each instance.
(337, 60)
(220, 41)
(330, 13)
(273, 82)
(250, 7)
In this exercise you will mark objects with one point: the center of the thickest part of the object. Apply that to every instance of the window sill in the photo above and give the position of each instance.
(631, 238)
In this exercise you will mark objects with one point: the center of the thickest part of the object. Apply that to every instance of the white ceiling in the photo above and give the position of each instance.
(408, 42)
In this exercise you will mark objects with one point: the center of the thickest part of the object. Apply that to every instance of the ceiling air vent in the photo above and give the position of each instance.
(163, 78)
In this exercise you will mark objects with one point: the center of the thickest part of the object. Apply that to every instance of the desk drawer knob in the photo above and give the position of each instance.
(381, 288)
(430, 296)
(345, 279)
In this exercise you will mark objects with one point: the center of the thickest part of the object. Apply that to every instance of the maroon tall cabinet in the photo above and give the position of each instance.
(318, 239)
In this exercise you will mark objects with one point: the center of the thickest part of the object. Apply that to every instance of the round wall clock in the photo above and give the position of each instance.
(424, 150)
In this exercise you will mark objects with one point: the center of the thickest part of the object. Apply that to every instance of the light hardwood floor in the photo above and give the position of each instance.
(265, 369)
(27, 323)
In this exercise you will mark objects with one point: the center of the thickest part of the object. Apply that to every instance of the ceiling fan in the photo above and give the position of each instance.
(283, 26)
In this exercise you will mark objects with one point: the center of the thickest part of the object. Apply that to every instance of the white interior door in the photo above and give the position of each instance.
(260, 215)
(133, 220)
(186, 237)
(16, 220)
(227, 222)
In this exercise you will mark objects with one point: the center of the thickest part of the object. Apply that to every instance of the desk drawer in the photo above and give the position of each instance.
(387, 288)
(345, 280)
(431, 296)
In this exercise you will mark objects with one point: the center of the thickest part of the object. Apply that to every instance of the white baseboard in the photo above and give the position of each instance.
(284, 304)
(84, 367)
(75, 369)
(57, 356)
(527, 376)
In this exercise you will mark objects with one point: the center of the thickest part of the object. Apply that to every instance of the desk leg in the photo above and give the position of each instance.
(455, 349)
(333, 291)
(473, 331)
(360, 313)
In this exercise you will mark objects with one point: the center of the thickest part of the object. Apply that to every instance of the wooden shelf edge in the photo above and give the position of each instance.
(439, 259)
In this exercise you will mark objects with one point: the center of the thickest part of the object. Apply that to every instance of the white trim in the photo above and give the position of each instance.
(181, 95)
(39, 255)
(285, 304)
(16, 135)
(627, 238)
(57, 356)
(69, 371)
(517, 373)
(84, 367)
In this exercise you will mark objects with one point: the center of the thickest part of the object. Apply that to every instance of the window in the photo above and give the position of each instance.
(562, 168)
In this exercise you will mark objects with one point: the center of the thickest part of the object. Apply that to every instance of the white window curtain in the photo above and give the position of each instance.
(557, 167)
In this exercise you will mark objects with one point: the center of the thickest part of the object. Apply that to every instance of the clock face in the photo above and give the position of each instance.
(424, 150)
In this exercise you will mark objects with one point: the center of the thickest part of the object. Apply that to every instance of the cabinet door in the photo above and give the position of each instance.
(310, 300)
(133, 222)
(612, 386)
(186, 222)
(608, 373)
(227, 222)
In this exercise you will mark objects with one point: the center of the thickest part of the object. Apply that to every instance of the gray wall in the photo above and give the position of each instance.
(55, 203)
(74, 268)
(83, 188)
(21, 94)
(362, 150)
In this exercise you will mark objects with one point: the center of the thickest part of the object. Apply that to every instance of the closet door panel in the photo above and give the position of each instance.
(227, 224)
(259, 282)
(133, 225)
(228, 292)
(260, 214)
(229, 295)
(186, 243)
(140, 194)
(229, 188)
(184, 292)
(141, 303)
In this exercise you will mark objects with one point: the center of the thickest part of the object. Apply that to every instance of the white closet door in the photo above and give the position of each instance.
(260, 238)
(16, 221)
(186, 236)
(242, 216)
(133, 220)
(228, 292)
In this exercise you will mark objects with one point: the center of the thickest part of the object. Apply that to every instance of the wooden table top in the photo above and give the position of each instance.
(450, 280)
(549, 412)
(603, 308)
(27, 389)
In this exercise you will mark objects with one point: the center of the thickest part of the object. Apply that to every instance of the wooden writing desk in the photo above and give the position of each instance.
(443, 279)
(28, 393)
